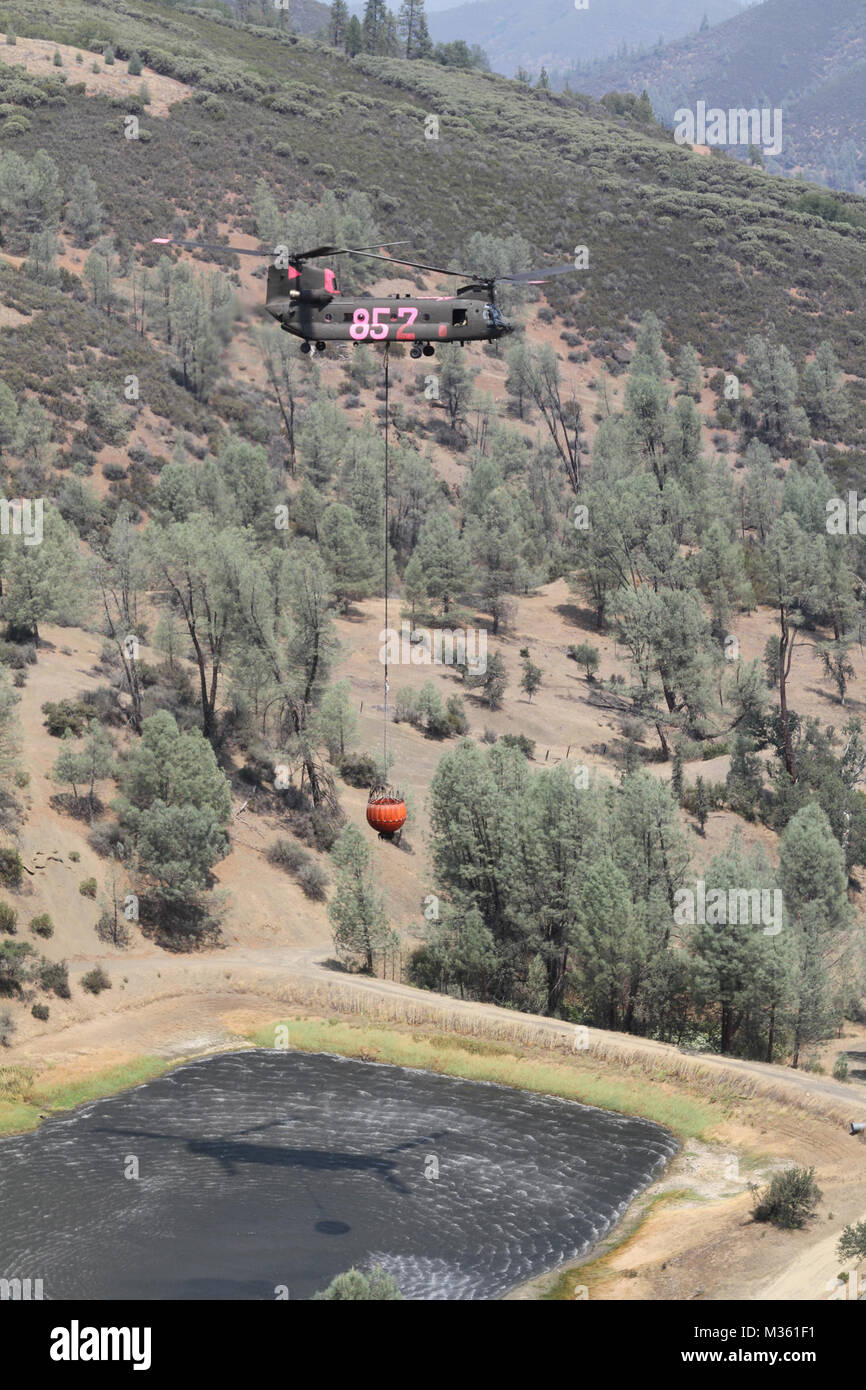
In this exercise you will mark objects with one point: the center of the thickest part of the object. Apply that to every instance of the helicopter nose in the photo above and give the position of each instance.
(507, 326)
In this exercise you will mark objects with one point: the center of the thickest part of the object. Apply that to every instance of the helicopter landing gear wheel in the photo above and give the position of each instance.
(305, 347)
(320, 347)
(415, 352)
(428, 350)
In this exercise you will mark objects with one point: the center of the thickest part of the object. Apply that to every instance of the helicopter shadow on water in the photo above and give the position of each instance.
(232, 1151)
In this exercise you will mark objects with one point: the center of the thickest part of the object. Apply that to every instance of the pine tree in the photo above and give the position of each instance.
(354, 42)
(689, 371)
(444, 559)
(338, 22)
(702, 804)
(492, 682)
(374, 27)
(412, 28)
(814, 883)
(648, 358)
(677, 775)
(349, 560)
(357, 909)
(337, 723)
(772, 413)
(531, 678)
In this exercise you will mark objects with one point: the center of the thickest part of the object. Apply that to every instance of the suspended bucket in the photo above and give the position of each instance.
(386, 811)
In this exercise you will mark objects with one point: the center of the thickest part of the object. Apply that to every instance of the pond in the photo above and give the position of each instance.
(262, 1174)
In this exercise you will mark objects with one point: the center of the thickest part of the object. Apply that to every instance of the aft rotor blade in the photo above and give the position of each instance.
(416, 265)
(535, 277)
(210, 246)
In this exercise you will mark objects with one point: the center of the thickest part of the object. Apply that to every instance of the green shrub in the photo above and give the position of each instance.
(358, 769)
(57, 60)
(74, 856)
(54, 976)
(355, 1286)
(8, 919)
(852, 1245)
(95, 981)
(455, 715)
(41, 1011)
(42, 925)
(106, 839)
(285, 854)
(526, 745)
(87, 888)
(789, 1200)
(7, 1027)
(134, 65)
(840, 1067)
(108, 57)
(11, 867)
(324, 827)
(587, 656)
(61, 715)
(314, 880)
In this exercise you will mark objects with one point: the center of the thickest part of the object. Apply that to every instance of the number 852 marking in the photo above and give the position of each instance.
(365, 325)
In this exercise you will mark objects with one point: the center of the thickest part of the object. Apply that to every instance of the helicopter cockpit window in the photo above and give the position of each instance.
(487, 313)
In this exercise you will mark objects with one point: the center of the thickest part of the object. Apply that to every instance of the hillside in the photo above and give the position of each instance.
(667, 230)
(164, 423)
(809, 61)
(556, 33)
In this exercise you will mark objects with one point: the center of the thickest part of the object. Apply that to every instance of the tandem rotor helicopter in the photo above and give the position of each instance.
(305, 301)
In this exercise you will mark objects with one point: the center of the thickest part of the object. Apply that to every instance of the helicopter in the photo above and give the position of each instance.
(306, 301)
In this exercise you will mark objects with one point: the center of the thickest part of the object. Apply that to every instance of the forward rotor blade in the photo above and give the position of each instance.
(210, 246)
(536, 277)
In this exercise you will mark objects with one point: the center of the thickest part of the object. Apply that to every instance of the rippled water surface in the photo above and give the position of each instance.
(266, 1169)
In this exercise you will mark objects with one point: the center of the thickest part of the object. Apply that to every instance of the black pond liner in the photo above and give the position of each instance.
(268, 1170)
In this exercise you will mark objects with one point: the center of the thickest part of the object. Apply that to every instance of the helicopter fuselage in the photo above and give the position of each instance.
(310, 306)
(378, 319)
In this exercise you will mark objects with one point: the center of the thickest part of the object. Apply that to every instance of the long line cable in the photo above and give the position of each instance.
(387, 629)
